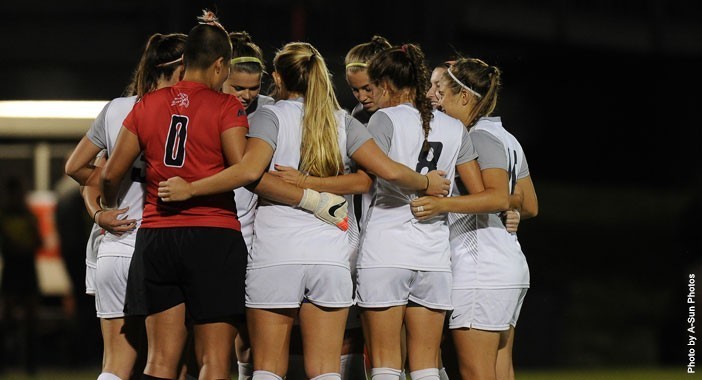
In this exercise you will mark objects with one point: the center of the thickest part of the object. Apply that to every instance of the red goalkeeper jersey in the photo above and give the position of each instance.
(179, 130)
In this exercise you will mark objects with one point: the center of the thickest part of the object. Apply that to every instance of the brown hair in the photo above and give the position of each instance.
(243, 46)
(481, 78)
(403, 67)
(207, 42)
(161, 57)
(362, 53)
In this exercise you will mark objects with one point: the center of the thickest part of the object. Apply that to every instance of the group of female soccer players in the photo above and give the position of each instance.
(286, 263)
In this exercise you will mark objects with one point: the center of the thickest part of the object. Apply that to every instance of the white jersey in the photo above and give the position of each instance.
(285, 234)
(246, 201)
(103, 133)
(391, 237)
(263, 100)
(484, 254)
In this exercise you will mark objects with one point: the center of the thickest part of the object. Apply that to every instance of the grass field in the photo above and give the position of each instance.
(570, 374)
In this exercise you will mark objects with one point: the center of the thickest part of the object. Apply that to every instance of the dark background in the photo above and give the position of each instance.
(603, 96)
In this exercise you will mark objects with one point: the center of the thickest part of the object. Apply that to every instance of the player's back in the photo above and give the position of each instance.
(484, 254)
(179, 130)
(391, 236)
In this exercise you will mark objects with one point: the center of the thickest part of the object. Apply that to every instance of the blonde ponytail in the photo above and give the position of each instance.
(320, 154)
(302, 69)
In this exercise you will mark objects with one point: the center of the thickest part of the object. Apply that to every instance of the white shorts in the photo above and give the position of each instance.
(384, 287)
(111, 281)
(90, 270)
(285, 286)
(486, 309)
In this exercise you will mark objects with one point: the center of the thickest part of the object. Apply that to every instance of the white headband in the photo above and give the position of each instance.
(461, 83)
(178, 60)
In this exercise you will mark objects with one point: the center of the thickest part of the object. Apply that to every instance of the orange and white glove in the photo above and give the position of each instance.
(328, 207)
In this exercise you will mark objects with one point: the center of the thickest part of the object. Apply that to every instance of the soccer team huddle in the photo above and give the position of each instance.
(289, 238)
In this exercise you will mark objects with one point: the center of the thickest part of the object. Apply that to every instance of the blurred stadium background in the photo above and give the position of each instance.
(603, 95)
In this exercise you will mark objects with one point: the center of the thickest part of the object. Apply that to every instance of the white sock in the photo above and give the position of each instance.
(327, 376)
(385, 374)
(245, 370)
(108, 376)
(403, 374)
(442, 374)
(265, 375)
(352, 367)
(425, 374)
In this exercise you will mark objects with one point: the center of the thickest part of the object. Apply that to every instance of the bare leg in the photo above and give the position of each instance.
(270, 338)
(119, 345)
(322, 337)
(477, 353)
(166, 334)
(424, 327)
(505, 368)
(213, 345)
(383, 328)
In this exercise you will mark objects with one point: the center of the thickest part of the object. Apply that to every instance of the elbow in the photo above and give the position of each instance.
(393, 176)
(363, 186)
(251, 176)
(72, 170)
(529, 212)
(501, 203)
(108, 177)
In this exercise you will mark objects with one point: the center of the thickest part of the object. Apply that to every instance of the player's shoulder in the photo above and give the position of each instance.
(121, 103)
(443, 118)
(490, 124)
(264, 100)
(398, 109)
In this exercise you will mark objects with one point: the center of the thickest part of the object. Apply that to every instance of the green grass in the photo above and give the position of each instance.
(569, 374)
(609, 374)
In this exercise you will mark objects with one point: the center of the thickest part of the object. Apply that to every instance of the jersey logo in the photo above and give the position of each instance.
(241, 112)
(181, 100)
(332, 209)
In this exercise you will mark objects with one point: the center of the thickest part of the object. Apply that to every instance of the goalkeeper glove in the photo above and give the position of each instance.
(328, 207)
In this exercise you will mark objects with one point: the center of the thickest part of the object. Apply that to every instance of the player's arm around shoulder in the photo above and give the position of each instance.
(126, 150)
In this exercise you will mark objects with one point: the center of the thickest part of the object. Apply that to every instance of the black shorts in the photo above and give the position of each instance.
(204, 267)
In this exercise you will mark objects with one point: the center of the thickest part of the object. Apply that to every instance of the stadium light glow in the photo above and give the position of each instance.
(51, 109)
(47, 119)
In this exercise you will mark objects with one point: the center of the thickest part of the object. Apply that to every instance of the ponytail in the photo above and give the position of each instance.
(478, 78)
(421, 102)
(302, 69)
(404, 68)
(162, 55)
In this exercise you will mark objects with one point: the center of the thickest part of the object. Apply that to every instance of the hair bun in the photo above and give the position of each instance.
(208, 17)
(380, 41)
(240, 37)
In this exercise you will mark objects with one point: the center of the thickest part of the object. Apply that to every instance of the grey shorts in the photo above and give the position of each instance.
(285, 286)
(486, 309)
(385, 287)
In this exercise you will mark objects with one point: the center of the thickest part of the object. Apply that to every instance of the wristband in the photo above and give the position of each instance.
(95, 216)
(105, 207)
(427, 187)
